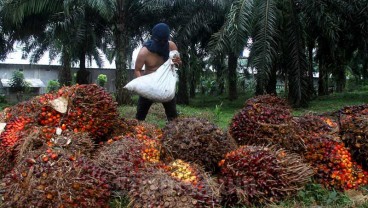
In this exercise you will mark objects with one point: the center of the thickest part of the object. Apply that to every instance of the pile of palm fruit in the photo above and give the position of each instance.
(71, 148)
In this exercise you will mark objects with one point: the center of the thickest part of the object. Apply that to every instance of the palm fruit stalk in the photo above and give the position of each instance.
(255, 175)
(265, 120)
(195, 140)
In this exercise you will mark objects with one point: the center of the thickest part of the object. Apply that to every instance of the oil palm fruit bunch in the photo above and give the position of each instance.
(195, 140)
(90, 109)
(310, 125)
(124, 160)
(9, 139)
(255, 175)
(354, 131)
(265, 120)
(157, 188)
(183, 171)
(54, 178)
(333, 165)
(12, 132)
(30, 108)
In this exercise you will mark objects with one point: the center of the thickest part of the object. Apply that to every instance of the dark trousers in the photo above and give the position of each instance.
(144, 105)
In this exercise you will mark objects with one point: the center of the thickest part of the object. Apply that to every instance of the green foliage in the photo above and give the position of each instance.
(333, 102)
(316, 195)
(218, 111)
(74, 78)
(17, 82)
(119, 201)
(101, 80)
(208, 85)
(52, 85)
(2, 99)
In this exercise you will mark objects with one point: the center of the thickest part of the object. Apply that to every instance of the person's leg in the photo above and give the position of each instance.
(143, 107)
(170, 109)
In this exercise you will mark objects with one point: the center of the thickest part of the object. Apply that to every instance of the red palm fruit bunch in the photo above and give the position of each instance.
(157, 188)
(310, 125)
(11, 133)
(265, 120)
(49, 178)
(195, 140)
(49, 119)
(23, 141)
(147, 134)
(90, 109)
(354, 131)
(123, 160)
(333, 165)
(30, 108)
(206, 189)
(255, 175)
(150, 136)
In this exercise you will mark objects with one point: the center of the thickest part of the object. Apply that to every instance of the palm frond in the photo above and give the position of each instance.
(263, 48)
(297, 64)
(16, 10)
(235, 32)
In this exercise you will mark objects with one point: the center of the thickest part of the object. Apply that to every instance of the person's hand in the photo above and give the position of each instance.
(177, 61)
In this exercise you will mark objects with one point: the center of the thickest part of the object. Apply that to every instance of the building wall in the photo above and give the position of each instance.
(50, 72)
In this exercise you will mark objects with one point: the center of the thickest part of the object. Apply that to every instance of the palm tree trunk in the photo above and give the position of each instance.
(122, 95)
(183, 96)
(271, 85)
(65, 77)
(219, 66)
(232, 65)
(322, 79)
(340, 80)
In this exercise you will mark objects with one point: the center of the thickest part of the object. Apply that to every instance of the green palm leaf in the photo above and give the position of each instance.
(263, 49)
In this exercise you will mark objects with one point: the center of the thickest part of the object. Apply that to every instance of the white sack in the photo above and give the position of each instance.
(158, 86)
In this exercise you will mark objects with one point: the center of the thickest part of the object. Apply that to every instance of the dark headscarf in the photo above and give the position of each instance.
(159, 42)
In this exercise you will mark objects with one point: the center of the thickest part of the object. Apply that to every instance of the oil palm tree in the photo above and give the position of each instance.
(47, 25)
(278, 32)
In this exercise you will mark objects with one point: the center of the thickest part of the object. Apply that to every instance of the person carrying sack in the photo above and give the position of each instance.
(154, 53)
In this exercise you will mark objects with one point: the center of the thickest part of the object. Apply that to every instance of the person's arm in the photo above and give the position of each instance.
(139, 62)
(176, 60)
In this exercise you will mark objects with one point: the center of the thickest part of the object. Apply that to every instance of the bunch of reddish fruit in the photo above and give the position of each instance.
(195, 140)
(333, 164)
(54, 178)
(265, 120)
(11, 134)
(254, 175)
(354, 131)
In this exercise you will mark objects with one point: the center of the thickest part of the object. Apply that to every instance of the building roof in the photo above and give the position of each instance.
(32, 82)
